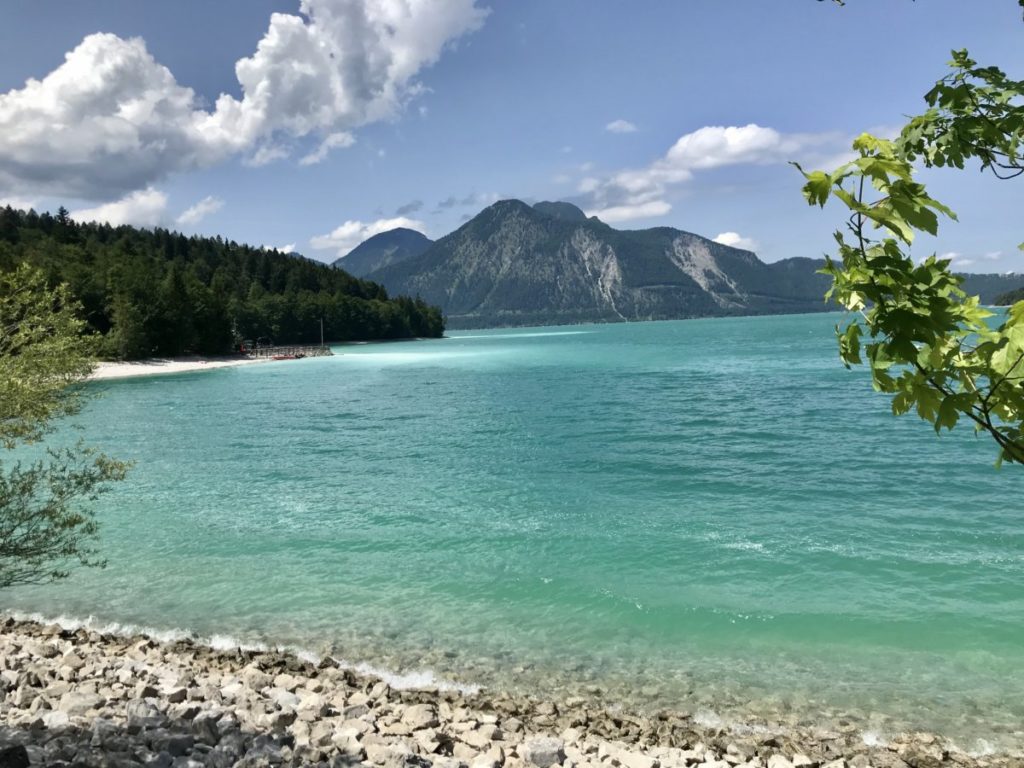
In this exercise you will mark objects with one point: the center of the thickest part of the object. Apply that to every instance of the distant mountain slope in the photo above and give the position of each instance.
(514, 264)
(517, 265)
(559, 210)
(391, 247)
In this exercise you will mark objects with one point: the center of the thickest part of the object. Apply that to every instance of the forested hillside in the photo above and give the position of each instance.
(156, 292)
(1010, 297)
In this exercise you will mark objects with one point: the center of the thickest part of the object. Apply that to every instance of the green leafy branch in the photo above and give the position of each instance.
(926, 342)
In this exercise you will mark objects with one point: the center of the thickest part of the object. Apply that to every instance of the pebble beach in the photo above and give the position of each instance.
(77, 697)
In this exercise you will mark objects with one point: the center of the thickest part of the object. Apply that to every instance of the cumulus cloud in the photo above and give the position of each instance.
(289, 248)
(736, 240)
(641, 193)
(200, 211)
(141, 209)
(616, 213)
(112, 120)
(620, 126)
(350, 234)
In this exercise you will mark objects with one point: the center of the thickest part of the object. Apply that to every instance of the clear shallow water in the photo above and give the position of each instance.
(709, 514)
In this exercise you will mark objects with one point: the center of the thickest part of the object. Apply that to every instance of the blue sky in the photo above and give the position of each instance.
(646, 113)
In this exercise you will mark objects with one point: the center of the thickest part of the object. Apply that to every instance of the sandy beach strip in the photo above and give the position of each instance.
(160, 366)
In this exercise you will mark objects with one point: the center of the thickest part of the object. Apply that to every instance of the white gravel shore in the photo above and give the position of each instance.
(82, 698)
(160, 366)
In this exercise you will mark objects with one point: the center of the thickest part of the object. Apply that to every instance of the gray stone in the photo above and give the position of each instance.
(287, 682)
(204, 728)
(492, 758)
(42, 650)
(176, 696)
(140, 708)
(78, 703)
(354, 711)
(73, 660)
(543, 751)
(56, 720)
(14, 757)
(420, 716)
(637, 760)
(161, 760)
(919, 756)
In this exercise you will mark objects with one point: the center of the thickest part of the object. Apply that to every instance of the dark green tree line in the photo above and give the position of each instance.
(161, 293)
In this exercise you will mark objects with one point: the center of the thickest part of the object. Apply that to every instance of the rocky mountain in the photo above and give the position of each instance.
(391, 247)
(514, 264)
(519, 265)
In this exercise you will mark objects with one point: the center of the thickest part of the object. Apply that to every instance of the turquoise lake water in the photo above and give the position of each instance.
(712, 515)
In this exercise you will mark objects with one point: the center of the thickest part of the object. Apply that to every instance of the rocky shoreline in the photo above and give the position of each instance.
(75, 697)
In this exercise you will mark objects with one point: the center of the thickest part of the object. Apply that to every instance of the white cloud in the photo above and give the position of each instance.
(960, 260)
(616, 213)
(267, 154)
(620, 126)
(141, 209)
(289, 248)
(736, 240)
(350, 234)
(957, 259)
(640, 191)
(200, 211)
(111, 120)
(19, 204)
(333, 141)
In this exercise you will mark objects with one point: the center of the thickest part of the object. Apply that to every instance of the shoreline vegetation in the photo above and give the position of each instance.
(72, 695)
(154, 293)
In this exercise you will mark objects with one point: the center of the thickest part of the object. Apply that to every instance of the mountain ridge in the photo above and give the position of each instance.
(548, 264)
(515, 264)
(383, 249)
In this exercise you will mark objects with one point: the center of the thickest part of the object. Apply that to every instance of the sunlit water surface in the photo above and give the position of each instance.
(711, 515)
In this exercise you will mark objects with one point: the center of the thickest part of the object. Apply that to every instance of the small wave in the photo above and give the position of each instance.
(872, 739)
(751, 546)
(708, 719)
(222, 642)
(982, 748)
(410, 680)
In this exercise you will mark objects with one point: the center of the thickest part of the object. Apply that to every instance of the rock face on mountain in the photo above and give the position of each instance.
(517, 265)
(391, 247)
(514, 264)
